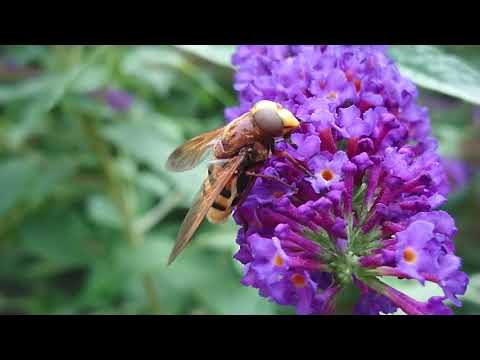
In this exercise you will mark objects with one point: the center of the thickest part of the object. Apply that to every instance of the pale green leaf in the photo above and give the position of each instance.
(217, 54)
(151, 182)
(154, 65)
(432, 68)
(26, 88)
(92, 79)
(102, 211)
(219, 237)
(473, 290)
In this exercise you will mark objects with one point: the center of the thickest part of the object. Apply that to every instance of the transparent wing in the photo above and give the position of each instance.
(203, 202)
(191, 153)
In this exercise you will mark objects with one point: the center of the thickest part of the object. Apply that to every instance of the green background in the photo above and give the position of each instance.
(88, 214)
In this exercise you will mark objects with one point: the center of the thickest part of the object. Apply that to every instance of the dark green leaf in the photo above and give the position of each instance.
(16, 175)
(61, 239)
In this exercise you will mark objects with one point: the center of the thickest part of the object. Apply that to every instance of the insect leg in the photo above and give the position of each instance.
(294, 161)
(269, 177)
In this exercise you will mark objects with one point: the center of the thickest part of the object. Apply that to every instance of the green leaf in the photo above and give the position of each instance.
(55, 171)
(197, 272)
(58, 237)
(65, 81)
(102, 211)
(142, 140)
(48, 95)
(150, 182)
(218, 237)
(20, 180)
(154, 65)
(93, 78)
(105, 285)
(210, 85)
(217, 54)
(473, 290)
(235, 299)
(146, 142)
(451, 139)
(469, 53)
(193, 270)
(16, 175)
(433, 68)
(26, 89)
(447, 111)
(151, 256)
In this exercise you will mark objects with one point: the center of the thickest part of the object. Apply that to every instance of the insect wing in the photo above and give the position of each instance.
(203, 202)
(191, 153)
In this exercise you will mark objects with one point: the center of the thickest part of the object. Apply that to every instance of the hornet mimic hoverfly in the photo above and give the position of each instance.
(238, 148)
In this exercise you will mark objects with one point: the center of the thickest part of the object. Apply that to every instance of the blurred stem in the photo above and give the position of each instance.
(114, 184)
(115, 187)
(149, 286)
(158, 213)
(117, 194)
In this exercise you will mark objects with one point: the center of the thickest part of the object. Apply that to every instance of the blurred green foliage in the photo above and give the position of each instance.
(87, 212)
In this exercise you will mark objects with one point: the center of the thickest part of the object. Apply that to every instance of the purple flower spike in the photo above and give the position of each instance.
(366, 207)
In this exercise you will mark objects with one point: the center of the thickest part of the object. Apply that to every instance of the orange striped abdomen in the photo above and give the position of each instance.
(222, 206)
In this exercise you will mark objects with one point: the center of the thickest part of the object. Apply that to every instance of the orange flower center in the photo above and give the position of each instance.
(298, 280)
(278, 194)
(332, 95)
(327, 174)
(278, 261)
(409, 255)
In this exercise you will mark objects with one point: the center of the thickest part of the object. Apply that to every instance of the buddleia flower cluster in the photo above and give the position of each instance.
(357, 198)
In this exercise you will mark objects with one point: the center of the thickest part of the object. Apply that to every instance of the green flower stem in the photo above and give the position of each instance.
(158, 213)
(115, 186)
(151, 292)
(117, 193)
(375, 284)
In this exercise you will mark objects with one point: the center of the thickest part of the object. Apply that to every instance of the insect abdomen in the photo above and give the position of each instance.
(222, 206)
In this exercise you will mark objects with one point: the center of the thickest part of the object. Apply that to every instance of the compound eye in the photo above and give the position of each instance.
(269, 121)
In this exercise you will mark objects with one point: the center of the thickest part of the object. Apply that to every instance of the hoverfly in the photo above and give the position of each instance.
(240, 146)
